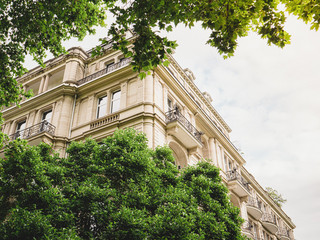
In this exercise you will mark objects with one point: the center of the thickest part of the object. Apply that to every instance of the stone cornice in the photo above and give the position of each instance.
(75, 52)
(107, 50)
(258, 188)
(198, 92)
(51, 95)
(117, 75)
(203, 117)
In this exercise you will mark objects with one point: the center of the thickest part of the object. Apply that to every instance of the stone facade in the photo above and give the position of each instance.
(77, 96)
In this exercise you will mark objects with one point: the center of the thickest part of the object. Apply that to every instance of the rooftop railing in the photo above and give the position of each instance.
(175, 115)
(235, 175)
(43, 126)
(105, 71)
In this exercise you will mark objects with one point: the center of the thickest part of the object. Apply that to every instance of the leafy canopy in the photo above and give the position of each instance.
(33, 27)
(118, 189)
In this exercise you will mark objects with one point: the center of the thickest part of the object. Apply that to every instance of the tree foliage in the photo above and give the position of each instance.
(276, 197)
(118, 189)
(32, 27)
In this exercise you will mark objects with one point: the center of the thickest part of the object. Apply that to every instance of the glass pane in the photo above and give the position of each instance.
(169, 104)
(115, 103)
(102, 107)
(21, 126)
(103, 100)
(19, 132)
(47, 116)
(116, 95)
(101, 112)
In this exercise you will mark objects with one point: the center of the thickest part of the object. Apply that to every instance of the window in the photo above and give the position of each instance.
(225, 163)
(102, 107)
(46, 116)
(19, 131)
(230, 165)
(46, 119)
(109, 64)
(169, 104)
(115, 101)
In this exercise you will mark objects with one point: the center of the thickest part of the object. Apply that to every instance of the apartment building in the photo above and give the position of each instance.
(77, 96)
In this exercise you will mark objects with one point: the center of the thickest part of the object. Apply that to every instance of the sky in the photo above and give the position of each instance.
(270, 97)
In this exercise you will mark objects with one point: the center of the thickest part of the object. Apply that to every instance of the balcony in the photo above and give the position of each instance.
(105, 71)
(238, 184)
(247, 229)
(182, 129)
(254, 208)
(269, 222)
(283, 234)
(105, 120)
(43, 127)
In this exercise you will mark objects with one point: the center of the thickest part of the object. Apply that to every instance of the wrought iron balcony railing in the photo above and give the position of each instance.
(283, 232)
(175, 115)
(234, 175)
(44, 126)
(104, 71)
(254, 202)
(270, 218)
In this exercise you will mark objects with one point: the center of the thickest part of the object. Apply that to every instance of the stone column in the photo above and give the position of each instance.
(71, 73)
(41, 84)
(165, 99)
(46, 83)
(148, 130)
(219, 155)
(7, 127)
(63, 126)
(243, 210)
(212, 151)
(123, 100)
(148, 93)
(31, 119)
(91, 109)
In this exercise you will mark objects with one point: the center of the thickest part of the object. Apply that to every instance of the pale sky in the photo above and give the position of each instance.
(270, 98)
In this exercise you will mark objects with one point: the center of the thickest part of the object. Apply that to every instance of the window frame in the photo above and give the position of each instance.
(45, 113)
(20, 131)
(169, 104)
(112, 101)
(19, 124)
(100, 106)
